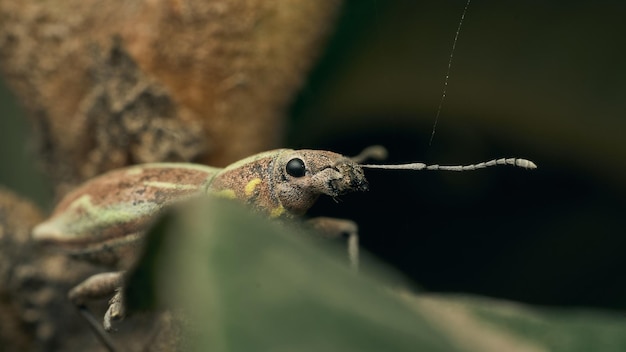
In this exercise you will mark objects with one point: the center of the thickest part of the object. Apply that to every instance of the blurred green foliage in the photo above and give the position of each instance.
(18, 162)
(246, 283)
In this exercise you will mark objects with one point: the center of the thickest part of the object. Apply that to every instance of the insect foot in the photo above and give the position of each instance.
(96, 287)
(115, 311)
(336, 228)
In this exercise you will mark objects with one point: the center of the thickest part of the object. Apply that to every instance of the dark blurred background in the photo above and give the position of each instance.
(540, 80)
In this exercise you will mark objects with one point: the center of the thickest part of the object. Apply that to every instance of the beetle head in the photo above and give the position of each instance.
(301, 176)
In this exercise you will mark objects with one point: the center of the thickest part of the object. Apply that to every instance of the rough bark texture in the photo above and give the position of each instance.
(34, 313)
(109, 84)
(17, 217)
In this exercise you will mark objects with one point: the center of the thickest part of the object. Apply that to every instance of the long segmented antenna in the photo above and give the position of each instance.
(518, 162)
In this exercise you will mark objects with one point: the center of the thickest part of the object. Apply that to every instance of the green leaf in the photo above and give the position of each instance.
(248, 284)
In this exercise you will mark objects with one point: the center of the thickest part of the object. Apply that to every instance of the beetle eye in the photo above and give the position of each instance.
(295, 167)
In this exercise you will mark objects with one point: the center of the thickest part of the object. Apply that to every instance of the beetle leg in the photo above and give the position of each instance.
(336, 228)
(374, 152)
(96, 287)
(115, 311)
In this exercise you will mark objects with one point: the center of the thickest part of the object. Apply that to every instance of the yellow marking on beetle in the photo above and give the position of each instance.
(225, 193)
(276, 212)
(169, 185)
(249, 189)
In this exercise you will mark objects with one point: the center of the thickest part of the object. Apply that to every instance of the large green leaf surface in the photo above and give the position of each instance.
(248, 284)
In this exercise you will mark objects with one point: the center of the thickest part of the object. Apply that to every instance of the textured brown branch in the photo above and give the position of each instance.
(114, 83)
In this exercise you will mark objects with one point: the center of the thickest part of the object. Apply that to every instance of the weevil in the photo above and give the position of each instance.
(105, 219)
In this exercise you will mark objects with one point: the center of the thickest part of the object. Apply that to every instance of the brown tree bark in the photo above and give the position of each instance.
(109, 84)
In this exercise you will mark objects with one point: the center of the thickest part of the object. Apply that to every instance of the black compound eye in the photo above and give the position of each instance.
(295, 167)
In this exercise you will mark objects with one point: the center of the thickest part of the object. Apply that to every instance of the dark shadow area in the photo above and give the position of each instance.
(536, 80)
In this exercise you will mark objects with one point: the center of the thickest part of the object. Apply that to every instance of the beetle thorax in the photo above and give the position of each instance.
(250, 181)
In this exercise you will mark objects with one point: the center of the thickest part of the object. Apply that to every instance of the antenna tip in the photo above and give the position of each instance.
(525, 163)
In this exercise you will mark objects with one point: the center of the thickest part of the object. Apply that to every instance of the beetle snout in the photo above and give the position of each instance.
(352, 178)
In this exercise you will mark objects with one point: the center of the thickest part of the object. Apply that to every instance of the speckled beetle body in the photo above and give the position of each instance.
(104, 219)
